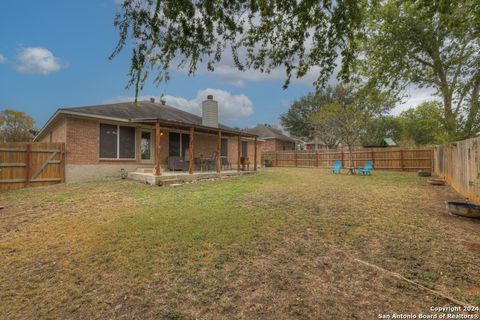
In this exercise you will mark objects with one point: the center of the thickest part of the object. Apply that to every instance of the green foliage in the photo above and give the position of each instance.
(261, 35)
(15, 126)
(433, 44)
(424, 124)
(419, 126)
(384, 127)
(297, 119)
(348, 118)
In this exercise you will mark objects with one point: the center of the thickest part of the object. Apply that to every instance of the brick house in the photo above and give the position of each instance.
(274, 139)
(315, 145)
(102, 140)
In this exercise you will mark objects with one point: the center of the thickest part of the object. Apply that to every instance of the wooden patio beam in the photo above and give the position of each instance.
(158, 170)
(238, 154)
(255, 155)
(190, 149)
(219, 143)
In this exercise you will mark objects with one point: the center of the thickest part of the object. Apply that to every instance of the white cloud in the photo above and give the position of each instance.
(230, 106)
(3, 59)
(38, 60)
(414, 97)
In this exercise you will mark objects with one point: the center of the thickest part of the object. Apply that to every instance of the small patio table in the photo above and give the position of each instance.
(206, 163)
(351, 170)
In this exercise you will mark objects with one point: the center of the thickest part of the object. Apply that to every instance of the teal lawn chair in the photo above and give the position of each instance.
(337, 167)
(366, 168)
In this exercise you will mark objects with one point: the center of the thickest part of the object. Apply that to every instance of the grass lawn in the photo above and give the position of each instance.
(279, 245)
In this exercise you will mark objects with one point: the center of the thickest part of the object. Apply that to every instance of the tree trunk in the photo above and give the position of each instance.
(350, 156)
(470, 128)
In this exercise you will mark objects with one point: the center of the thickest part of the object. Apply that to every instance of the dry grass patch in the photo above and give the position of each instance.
(274, 246)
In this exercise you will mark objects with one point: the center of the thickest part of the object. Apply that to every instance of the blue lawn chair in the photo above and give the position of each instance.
(337, 166)
(366, 168)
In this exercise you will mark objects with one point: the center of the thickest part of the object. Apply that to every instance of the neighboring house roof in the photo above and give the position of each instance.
(385, 142)
(128, 112)
(314, 142)
(267, 132)
(389, 142)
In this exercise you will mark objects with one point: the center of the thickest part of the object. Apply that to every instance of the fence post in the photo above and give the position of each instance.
(401, 159)
(316, 159)
(373, 158)
(432, 161)
(62, 163)
(341, 166)
(27, 164)
(296, 158)
(276, 159)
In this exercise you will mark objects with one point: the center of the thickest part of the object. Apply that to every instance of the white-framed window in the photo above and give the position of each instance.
(146, 145)
(117, 142)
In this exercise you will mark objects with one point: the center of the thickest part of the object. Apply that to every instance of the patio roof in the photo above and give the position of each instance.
(197, 127)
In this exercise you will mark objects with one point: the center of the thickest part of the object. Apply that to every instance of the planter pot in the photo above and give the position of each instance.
(436, 181)
(463, 208)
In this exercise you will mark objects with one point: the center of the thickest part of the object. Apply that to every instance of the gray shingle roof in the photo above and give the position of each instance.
(144, 109)
(266, 132)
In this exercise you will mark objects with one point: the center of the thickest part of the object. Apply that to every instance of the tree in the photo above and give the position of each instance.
(297, 119)
(15, 126)
(350, 116)
(434, 44)
(384, 127)
(261, 35)
(424, 124)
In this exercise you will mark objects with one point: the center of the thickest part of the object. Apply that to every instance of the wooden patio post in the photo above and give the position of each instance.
(255, 155)
(157, 149)
(190, 151)
(219, 143)
(27, 164)
(238, 153)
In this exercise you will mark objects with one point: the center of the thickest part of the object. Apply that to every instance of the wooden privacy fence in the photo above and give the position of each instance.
(31, 164)
(459, 164)
(405, 158)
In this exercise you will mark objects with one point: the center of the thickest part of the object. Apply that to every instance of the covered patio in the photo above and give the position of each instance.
(197, 164)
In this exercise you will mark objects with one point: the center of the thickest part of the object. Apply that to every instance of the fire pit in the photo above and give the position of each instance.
(463, 208)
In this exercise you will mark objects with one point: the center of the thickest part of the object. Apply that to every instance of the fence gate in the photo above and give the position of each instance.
(31, 164)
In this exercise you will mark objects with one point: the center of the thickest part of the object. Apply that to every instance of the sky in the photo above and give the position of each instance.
(54, 54)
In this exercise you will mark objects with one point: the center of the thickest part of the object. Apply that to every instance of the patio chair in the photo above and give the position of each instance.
(212, 162)
(366, 168)
(337, 167)
(245, 162)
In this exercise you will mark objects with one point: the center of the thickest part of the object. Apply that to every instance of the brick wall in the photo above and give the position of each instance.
(269, 145)
(82, 137)
(82, 141)
(57, 133)
(272, 145)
